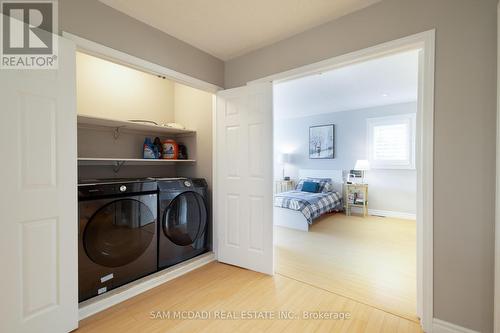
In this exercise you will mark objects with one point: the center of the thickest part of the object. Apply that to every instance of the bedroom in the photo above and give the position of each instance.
(346, 181)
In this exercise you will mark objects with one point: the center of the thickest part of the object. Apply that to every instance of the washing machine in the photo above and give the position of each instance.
(183, 220)
(117, 238)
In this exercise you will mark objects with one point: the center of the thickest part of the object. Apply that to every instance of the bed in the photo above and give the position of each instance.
(298, 210)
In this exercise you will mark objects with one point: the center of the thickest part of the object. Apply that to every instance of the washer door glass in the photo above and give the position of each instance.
(119, 232)
(185, 218)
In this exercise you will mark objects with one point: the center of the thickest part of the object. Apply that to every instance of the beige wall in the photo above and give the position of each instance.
(465, 99)
(106, 89)
(97, 22)
(193, 109)
(109, 90)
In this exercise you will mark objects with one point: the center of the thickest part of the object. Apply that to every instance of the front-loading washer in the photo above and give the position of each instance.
(183, 220)
(117, 238)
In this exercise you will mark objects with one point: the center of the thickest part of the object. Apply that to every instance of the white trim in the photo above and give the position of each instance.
(496, 311)
(105, 52)
(425, 41)
(215, 237)
(396, 46)
(441, 326)
(100, 303)
(425, 181)
(389, 213)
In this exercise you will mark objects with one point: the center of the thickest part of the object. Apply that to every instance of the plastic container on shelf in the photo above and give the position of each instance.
(170, 150)
(148, 149)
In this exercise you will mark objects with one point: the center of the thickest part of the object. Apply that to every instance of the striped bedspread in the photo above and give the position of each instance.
(312, 205)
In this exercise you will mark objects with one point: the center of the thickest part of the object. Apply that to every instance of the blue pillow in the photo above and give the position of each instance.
(324, 184)
(312, 187)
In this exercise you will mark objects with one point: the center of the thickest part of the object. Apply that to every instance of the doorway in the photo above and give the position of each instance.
(349, 132)
(242, 184)
(424, 42)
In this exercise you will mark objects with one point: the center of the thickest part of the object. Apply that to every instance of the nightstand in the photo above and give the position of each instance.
(283, 186)
(356, 195)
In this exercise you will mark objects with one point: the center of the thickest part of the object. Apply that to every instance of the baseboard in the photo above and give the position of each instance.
(118, 295)
(441, 326)
(388, 213)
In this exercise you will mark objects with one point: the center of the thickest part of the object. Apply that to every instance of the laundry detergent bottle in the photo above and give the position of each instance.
(170, 150)
(148, 151)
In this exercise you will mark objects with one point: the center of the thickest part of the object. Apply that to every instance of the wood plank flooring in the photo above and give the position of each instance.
(371, 260)
(218, 287)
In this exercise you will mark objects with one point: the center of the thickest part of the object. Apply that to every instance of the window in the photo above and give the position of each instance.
(391, 142)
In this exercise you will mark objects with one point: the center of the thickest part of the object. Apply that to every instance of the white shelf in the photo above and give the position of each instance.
(129, 125)
(129, 161)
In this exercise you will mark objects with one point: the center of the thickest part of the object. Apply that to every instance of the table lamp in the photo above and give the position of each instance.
(362, 165)
(284, 159)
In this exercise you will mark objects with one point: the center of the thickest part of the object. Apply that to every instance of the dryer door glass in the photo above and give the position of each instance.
(185, 219)
(119, 232)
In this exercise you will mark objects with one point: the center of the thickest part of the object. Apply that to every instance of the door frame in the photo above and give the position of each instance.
(105, 52)
(425, 41)
(93, 306)
(496, 305)
(125, 59)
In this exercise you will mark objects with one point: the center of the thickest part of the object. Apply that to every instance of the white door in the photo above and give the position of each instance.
(38, 206)
(244, 177)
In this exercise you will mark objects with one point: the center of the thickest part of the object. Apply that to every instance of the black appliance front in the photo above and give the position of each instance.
(184, 220)
(117, 235)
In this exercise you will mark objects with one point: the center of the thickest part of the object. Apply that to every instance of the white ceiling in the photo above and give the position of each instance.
(230, 28)
(383, 81)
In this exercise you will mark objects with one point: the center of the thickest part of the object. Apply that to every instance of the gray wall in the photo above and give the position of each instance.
(465, 104)
(390, 190)
(97, 22)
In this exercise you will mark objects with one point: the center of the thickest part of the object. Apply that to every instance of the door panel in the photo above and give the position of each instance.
(244, 177)
(233, 149)
(232, 214)
(255, 136)
(38, 124)
(40, 263)
(38, 206)
(256, 227)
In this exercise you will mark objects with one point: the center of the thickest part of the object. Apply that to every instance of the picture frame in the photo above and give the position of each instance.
(322, 142)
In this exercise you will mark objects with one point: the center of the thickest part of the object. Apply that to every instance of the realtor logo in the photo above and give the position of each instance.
(29, 35)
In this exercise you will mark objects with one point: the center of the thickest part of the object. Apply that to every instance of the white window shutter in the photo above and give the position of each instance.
(391, 142)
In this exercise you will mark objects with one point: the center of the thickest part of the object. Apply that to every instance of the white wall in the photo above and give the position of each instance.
(393, 190)
(389, 190)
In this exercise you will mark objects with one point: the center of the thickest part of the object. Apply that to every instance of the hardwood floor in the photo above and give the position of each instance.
(371, 260)
(217, 287)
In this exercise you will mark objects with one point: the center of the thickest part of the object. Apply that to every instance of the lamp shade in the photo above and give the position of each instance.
(283, 158)
(362, 165)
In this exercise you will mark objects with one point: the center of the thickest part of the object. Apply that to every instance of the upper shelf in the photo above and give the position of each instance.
(129, 125)
(130, 161)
